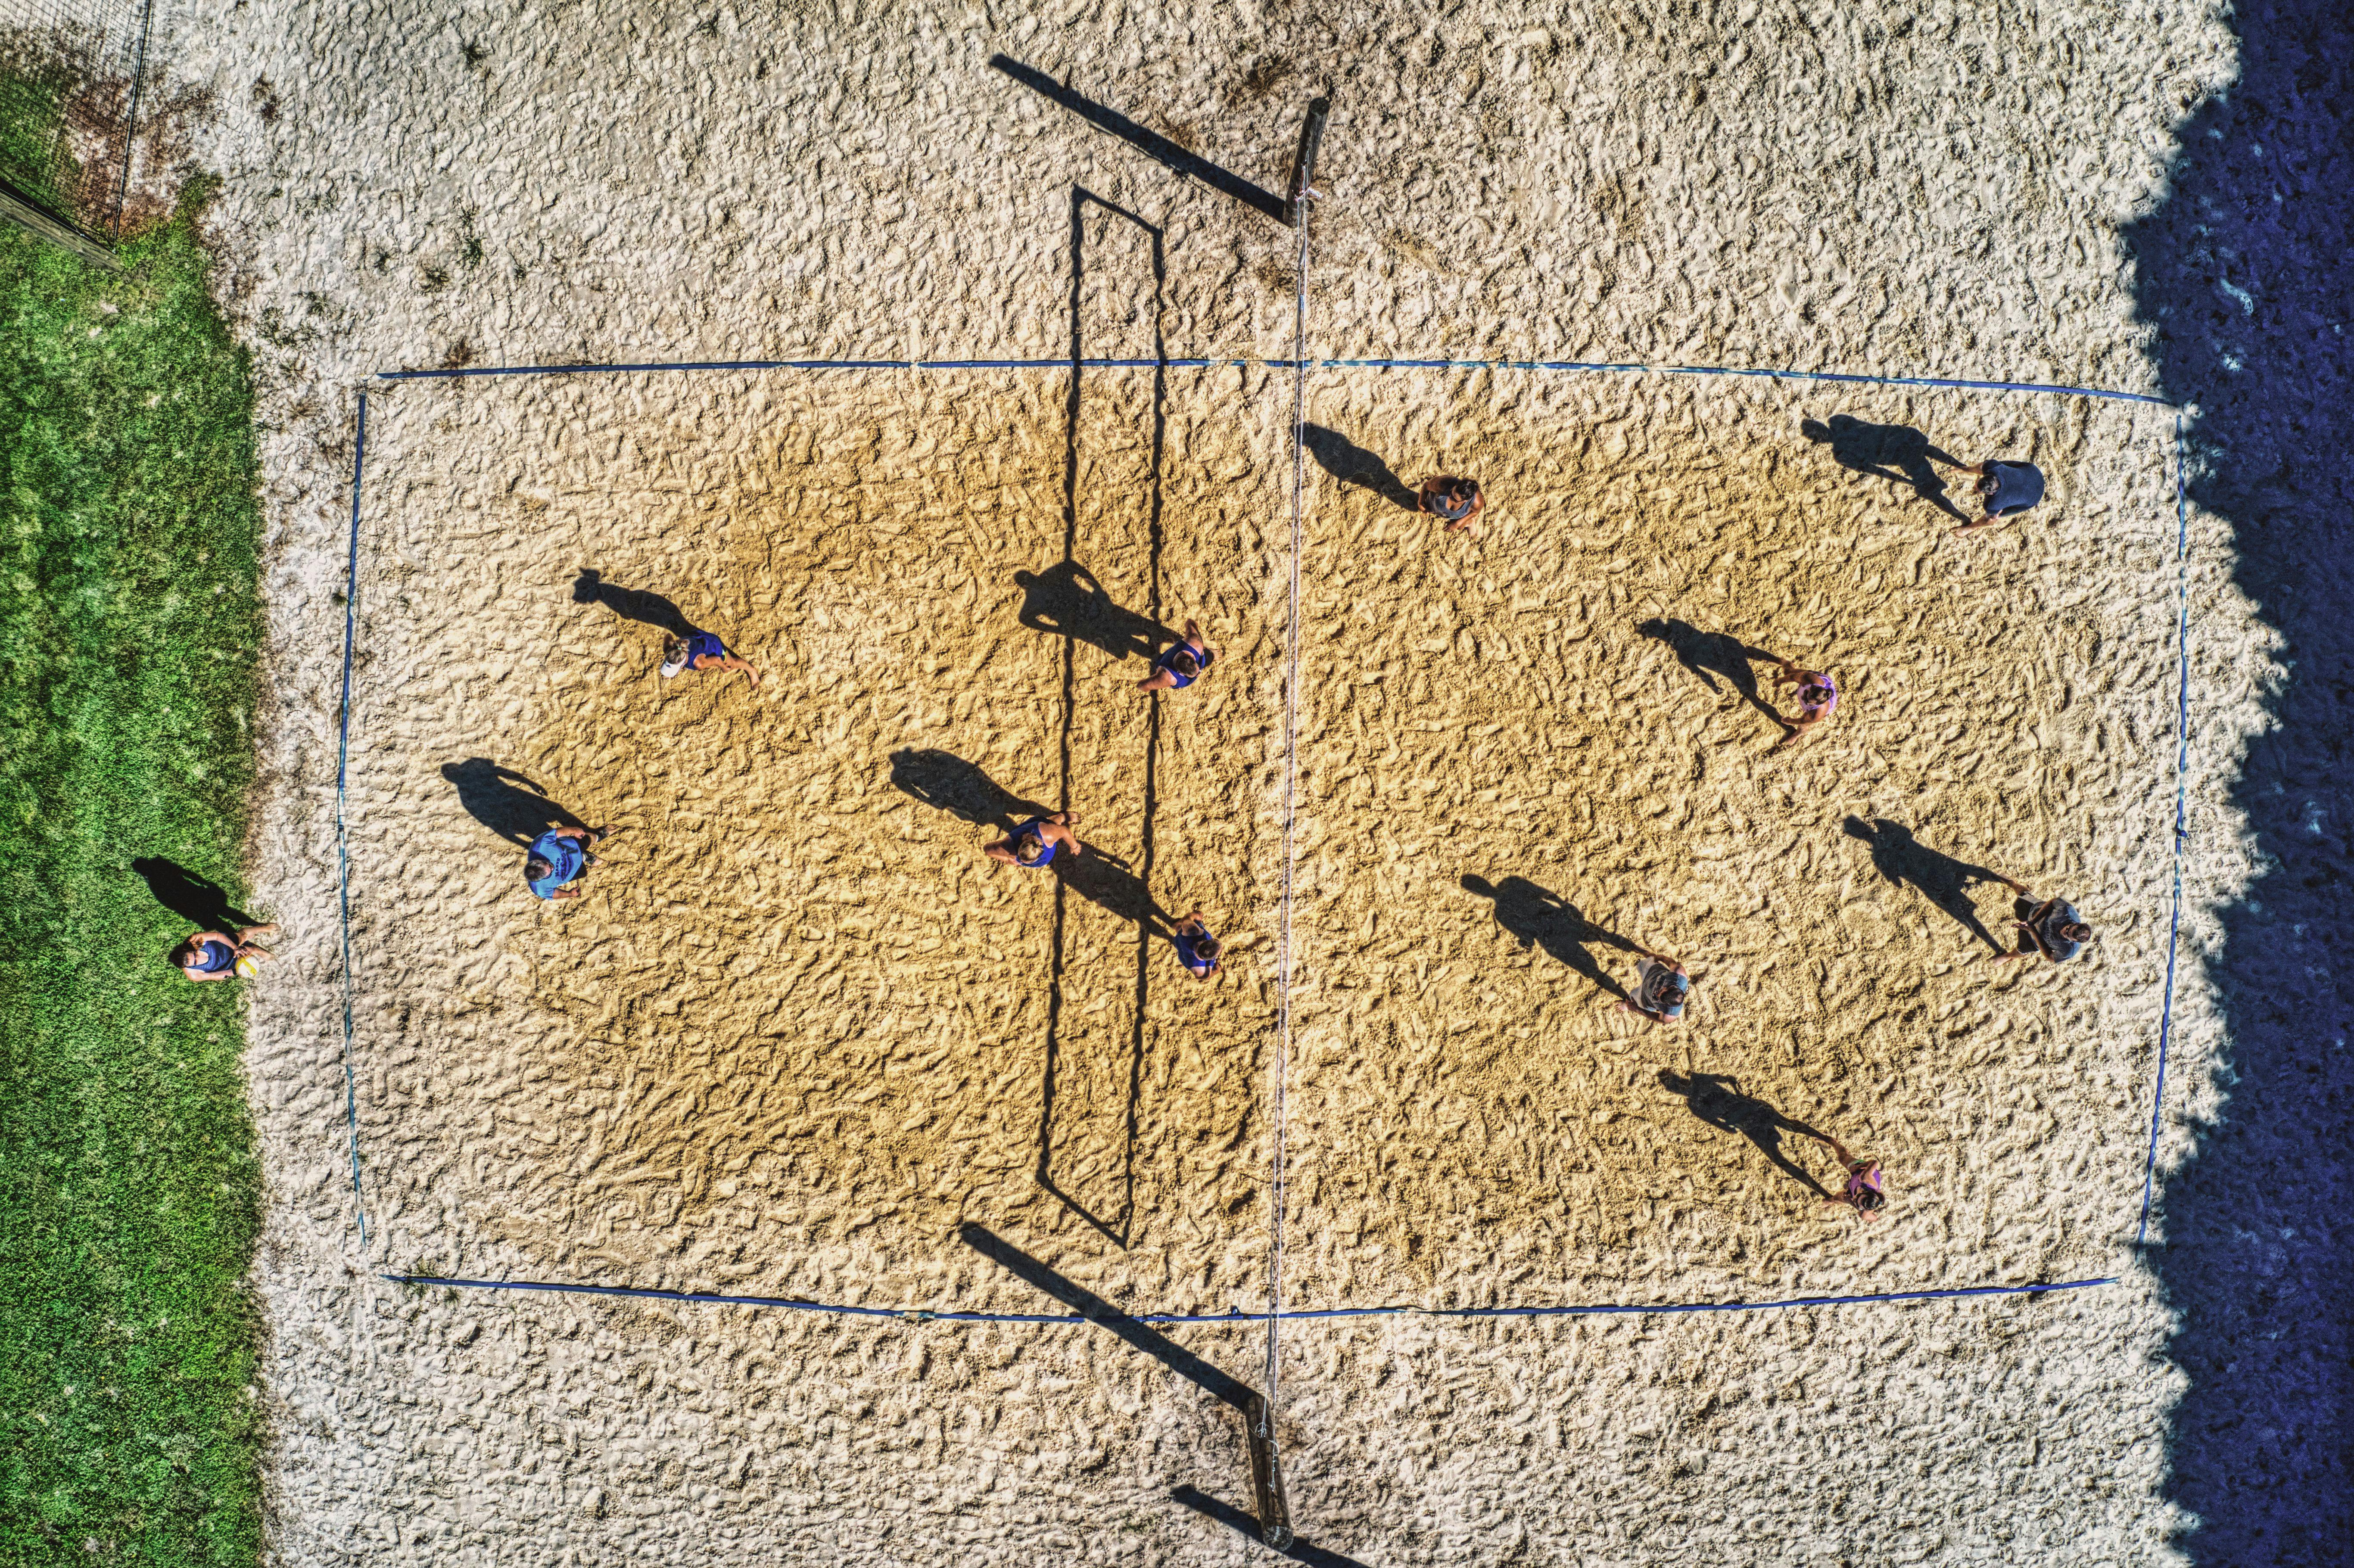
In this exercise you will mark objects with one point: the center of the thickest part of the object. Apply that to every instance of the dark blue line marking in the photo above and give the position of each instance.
(1560, 365)
(924, 1315)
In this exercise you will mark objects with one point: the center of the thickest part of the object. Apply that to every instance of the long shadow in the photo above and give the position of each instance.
(1711, 655)
(2245, 270)
(504, 801)
(1235, 1519)
(1946, 882)
(1898, 453)
(1066, 601)
(947, 782)
(1350, 463)
(1538, 918)
(631, 604)
(1096, 1309)
(1096, 875)
(1152, 146)
(1229, 1390)
(1716, 1099)
(196, 898)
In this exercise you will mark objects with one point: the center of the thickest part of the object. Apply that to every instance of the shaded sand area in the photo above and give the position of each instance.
(797, 1026)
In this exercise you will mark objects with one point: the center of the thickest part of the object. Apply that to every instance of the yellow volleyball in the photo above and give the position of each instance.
(247, 966)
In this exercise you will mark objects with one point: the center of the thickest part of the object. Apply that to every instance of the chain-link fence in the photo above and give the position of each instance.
(70, 73)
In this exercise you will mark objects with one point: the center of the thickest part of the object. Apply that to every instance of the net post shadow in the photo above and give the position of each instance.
(1158, 148)
(1096, 876)
(1266, 1483)
(1235, 1519)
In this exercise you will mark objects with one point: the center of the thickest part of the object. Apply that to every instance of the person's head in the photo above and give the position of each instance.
(1869, 1200)
(534, 868)
(1184, 663)
(1813, 690)
(2076, 931)
(1464, 490)
(1205, 945)
(674, 656)
(186, 953)
(1027, 846)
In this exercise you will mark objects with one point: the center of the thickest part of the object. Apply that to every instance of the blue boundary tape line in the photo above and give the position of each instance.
(1842, 378)
(343, 833)
(2181, 758)
(2166, 1016)
(926, 1315)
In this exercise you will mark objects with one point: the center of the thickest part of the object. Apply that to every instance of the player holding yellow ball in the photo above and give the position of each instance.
(218, 956)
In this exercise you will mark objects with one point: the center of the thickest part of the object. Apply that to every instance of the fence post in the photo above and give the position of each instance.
(30, 216)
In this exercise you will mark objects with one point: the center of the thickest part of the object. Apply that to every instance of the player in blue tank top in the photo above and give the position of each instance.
(1035, 842)
(1181, 665)
(213, 955)
(1455, 502)
(1196, 948)
(702, 651)
(558, 858)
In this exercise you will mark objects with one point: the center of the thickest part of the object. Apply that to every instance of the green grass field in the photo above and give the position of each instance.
(129, 634)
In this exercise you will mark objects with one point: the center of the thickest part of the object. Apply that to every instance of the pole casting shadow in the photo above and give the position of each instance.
(1898, 453)
(1716, 1099)
(1538, 918)
(631, 604)
(1711, 655)
(197, 899)
(504, 801)
(1946, 882)
(2242, 275)
(1350, 463)
(1152, 146)
(1235, 1519)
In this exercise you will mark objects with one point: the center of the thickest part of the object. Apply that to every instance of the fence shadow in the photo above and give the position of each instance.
(2240, 272)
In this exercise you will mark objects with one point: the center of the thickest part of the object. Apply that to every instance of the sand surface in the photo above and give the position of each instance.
(798, 1031)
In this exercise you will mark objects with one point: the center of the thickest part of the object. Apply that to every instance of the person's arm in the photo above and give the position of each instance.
(566, 893)
(1001, 851)
(581, 833)
(1159, 681)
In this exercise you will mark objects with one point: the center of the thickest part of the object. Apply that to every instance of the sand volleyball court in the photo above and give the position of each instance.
(798, 1030)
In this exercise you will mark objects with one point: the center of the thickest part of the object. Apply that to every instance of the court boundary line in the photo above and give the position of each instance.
(917, 1315)
(1301, 365)
(1297, 363)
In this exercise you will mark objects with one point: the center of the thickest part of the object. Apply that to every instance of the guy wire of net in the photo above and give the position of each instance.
(70, 73)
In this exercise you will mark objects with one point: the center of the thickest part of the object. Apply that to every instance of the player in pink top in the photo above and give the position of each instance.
(1863, 1192)
(1818, 695)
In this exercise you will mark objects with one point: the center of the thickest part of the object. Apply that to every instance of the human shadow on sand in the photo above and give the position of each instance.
(1946, 882)
(1898, 453)
(1066, 601)
(505, 801)
(1716, 1099)
(1538, 918)
(1711, 655)
(947, 782)
(631, 604)
(196, 898)
(1350, 463)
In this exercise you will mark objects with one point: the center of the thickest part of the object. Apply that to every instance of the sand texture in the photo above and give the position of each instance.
(798, 1037)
